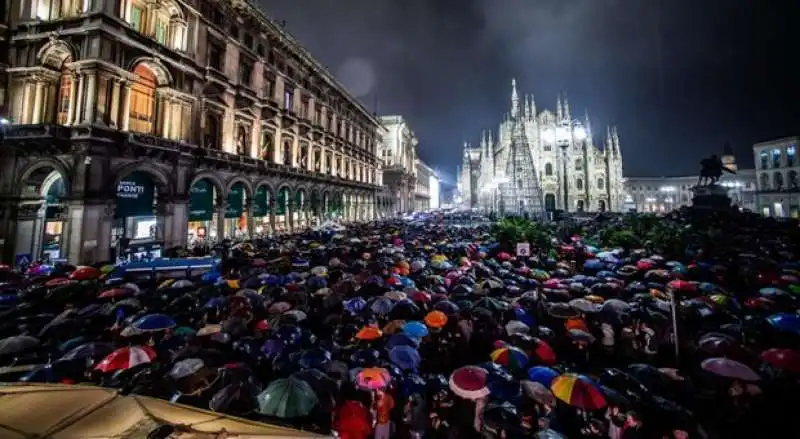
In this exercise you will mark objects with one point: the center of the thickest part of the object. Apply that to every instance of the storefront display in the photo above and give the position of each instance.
(202, 224)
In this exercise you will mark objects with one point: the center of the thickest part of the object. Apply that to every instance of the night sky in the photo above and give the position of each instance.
(679, 78)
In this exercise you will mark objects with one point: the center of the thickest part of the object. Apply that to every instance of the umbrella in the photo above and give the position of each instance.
(783, 359)
(578, 391)
(469, 382)
(369, 333)
(517, 327)
(126, 358)
(287, 398)
(154, 322)
(373, 378)
(62, 411)
(415, 329)
(728, 368)
(436, 319)
(538, 392)
(510, 357)
(785, 322)
(543, 375)
(352, 419)
(17, 344)
(186, 367)
(405, 357)
(401, 340)
(85, 273)
(88, 351)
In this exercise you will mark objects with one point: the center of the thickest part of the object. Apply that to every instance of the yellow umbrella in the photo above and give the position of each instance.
(59, 411)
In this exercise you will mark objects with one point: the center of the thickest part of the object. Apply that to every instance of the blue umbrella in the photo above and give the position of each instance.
(355, 305)
(210, 277)
(594, 265)
(542, 375)
(289, 333)
(785, 322)
(40, 374)
(314, 358)
(405, 357)
(72, 344)
(401, 340)
(507, 389)
(523, 316)
(216, 303)
(415, 329)
(154, 322)
(8, 299)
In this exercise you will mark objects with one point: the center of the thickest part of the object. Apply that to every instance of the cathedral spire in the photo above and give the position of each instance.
(559, 109)
(566, 107)
(527, 107)
(615, 140)
(588, 123)
(514, 99)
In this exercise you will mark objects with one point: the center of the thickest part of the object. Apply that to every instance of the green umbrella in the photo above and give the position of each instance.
(287, 398)
(184, 331)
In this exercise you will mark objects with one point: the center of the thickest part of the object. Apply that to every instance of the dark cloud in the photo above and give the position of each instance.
(678, 77)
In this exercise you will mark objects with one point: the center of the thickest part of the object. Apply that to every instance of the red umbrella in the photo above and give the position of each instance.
(352, 421)
(57, 282)
(784, 359)
(682, 286)
(115, 293)
(469, 382)
(126, 358)
(420, 296)
(85, 273)
(544, 353)
(645, 264)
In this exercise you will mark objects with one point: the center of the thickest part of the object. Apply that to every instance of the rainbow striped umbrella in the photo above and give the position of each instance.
(578, 391)
(510, 357)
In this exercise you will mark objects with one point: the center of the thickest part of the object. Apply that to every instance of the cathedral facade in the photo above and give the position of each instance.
(573, 173)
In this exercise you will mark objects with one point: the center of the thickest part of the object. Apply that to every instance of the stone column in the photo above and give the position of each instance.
(79, 103)
(295, 150)
(91, 97)
(114, 112)
(221, 220)
(290, 217)
(166, 117)
(38, 98)
(26, 102)
(125, 116)
(251, 228)
(73, 99)
(272, 216)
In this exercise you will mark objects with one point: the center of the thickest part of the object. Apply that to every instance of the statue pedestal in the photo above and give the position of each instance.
(711, 197)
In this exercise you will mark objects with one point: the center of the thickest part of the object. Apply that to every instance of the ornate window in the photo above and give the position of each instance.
(764, 182)
(241, 140)
(287, 152)
(548, 169)
(791, 152)
(55, 9)
(143, 93)
(265, 152)
(793, 182)
(64, 96)
(778, 179)
(211, 136)
(601, 183)
(579, 164)
(163, 22)
(764, 159)
(579, 184)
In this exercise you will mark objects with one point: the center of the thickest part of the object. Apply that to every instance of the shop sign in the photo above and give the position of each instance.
(135, 195)
(260, 202)
(201, 201)
(235, 201)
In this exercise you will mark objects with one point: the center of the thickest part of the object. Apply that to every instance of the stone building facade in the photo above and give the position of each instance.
(398, 156)
(778, 177)
(149, 124)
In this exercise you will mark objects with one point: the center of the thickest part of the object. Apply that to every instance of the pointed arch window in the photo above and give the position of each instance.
(579, 164)
(579, 184)
(548, 169)
(601, 184)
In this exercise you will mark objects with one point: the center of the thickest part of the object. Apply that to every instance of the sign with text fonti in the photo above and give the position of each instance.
(135, 195)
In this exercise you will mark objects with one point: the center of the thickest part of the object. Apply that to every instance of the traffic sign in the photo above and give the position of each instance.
(523, 249)
(23, 259)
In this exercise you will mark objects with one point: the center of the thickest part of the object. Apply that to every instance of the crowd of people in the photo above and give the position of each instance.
(424, 329)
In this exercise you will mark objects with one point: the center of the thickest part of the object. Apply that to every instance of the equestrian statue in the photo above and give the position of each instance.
(711, 171)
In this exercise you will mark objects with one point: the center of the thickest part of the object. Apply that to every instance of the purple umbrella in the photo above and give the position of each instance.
(273, 348)
(725, 367)
(405, 357)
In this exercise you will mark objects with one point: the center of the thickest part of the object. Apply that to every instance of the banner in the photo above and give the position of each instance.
(135, 195)
(235, 201)
(201, 201)
(261, 202)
